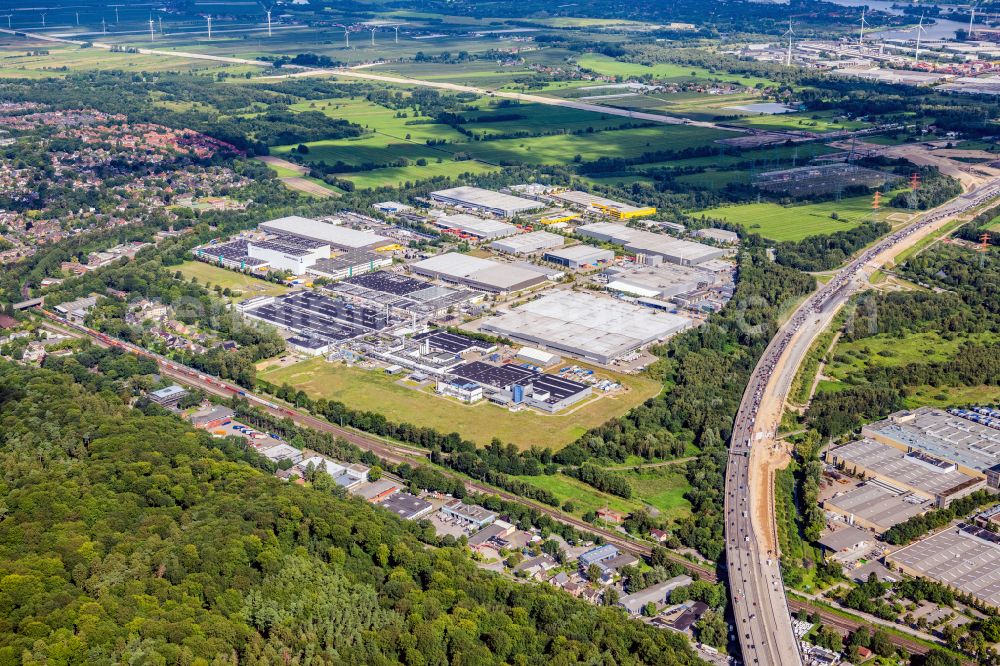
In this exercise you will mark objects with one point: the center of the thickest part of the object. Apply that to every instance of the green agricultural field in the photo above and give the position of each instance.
(793, 223)
(16, 63)
(246, 285)
(608, 66)
(808, 122)
(715, 180)
(397, 176)
(365, 389)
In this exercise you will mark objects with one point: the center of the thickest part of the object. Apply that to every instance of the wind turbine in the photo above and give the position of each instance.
(159, 19)
(117, 20)
(920, 30)
(7, 16)
(151, 28)
(397, 33)
(267, 10)
(789, 33)
(972, 17)
(347, 35)
(78, 18)
(209, 19)
(373, 29)
(861, 37)
(104, 26)
(43, 19)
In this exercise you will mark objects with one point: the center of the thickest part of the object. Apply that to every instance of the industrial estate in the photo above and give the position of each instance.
(447, 332)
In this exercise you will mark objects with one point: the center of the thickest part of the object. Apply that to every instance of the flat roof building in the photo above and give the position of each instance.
(598, 204)
(349, 264)
(661, 281)
(719, 235)
(478, 227)
(845, 540)
(335, 235)
(530, 243)
(585, 325)
(477, 273)
(290, 254)
(654, 594)
(973, 447)
(637, 241)
(929, 477)
(965, 558)
(496, 203)
(598, 554)
(407, 506)
(876, 507)
(469, 514)
(580, 256)
(169, 396)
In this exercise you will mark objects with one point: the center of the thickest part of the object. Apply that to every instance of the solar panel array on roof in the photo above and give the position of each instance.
(390, 283)
(504, 376)
(450, 342)
(318, 319)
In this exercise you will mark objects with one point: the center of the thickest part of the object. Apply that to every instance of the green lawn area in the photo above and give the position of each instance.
(608, 66)
(243, 286)
(793, 223)
(373, 390)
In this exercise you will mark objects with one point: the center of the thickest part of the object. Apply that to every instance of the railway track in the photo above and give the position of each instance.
(391, 452)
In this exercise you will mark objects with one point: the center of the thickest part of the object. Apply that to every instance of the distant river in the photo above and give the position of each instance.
(941, 29)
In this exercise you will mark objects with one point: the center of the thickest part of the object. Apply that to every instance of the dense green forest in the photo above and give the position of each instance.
(128, 538)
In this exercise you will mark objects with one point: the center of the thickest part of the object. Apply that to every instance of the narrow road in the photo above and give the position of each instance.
(759, 603)
(357, 73)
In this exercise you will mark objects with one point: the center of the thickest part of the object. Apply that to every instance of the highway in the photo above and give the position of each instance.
(761, 612)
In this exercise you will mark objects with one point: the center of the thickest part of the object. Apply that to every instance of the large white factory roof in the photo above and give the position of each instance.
(646, 242)
(587, 325)
(476, 226)
(476, 272)
(486, 199)
(528, 243)
(338, 236)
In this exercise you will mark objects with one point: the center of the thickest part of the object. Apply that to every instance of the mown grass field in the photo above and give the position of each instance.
(793, 223)
(246, 285)
(664, 492)
(608, 66)
(373, 390)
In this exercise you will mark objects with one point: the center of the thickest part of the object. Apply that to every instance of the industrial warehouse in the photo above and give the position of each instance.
(301, 246)
(515, 384)
(674, 250)
(595, 204)
(486, 201)
(592, 327)
(580, 257)
(403, 293)
(317, 323)
(477, 273)
(959, 436)
(965, 557)
(914, 471)
(529, 243)
(472, 227)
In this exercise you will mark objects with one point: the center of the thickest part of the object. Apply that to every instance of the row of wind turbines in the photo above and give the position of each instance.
(208, 21)
(919, 29)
